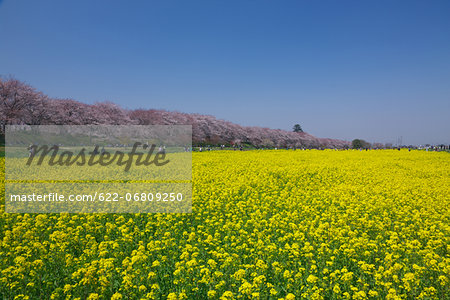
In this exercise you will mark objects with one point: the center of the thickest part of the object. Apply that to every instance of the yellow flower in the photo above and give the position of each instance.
(227, 295)
(239, 274)
(352, 224)
(212, 294)
(443, 280)
(337, 289)
(156, 264)
(311, 279)
(117, 296)
(172, 296)
(290, 296)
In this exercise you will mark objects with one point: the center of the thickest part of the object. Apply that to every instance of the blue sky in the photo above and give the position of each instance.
(376, 70)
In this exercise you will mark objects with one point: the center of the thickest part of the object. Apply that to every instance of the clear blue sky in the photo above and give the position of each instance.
(376, 70)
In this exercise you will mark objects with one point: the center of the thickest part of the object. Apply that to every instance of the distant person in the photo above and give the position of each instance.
(31, 150)
(95, 152)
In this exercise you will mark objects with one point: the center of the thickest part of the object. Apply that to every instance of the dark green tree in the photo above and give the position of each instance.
(360, 144)
(297, 128)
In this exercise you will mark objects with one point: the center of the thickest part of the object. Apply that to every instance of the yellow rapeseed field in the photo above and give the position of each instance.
(265, 225)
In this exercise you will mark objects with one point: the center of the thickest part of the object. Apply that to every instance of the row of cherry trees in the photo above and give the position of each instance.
(23, 104)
